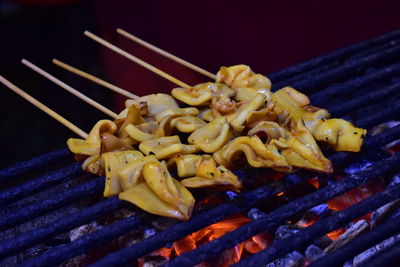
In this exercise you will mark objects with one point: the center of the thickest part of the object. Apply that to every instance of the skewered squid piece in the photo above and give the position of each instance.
(113, 163)
(187, 124)
(99, 140)
(341, 134)
(182, 119)
(301, 150)
(208, 174)
(238, 119)
(153, 104)
(269, 130)
(186, 165)
(166, 147)
(257, 154)
(91, 146)
(207, 114)
(201, 94)
(131, 174)
(133, 117)
(203, 172)
(246, 83)
(159, 193)
(212, 136)
(293, 106)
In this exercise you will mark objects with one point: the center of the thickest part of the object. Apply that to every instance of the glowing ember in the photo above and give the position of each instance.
(229, 257)
(355, 195)
(314, 182)
(336, 234)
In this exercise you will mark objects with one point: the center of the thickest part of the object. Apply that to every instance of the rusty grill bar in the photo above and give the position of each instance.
(374, 77)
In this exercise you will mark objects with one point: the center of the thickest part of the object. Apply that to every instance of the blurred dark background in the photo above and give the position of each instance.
(267, 35)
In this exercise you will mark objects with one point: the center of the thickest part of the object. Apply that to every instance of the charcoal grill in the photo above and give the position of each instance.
(360, 82)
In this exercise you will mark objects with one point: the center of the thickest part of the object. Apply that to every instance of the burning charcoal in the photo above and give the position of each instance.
(362, 258)
(395, 214)
(357, 166)
(385, 211)
(311, 216)
(285, 231)
(149, 232)
(162, 223)
(351, 233)
(292, 259)
(313, 252)
(395, 180)
(323, 242)
(123, 213)
(255, 214)
(84, 230)
(231, 195)
(153, 261)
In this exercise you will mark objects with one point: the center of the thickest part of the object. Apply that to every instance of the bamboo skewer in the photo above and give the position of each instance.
(44, 108)
(94, 79)
(166, 54)
(70, 89)
(136, 60)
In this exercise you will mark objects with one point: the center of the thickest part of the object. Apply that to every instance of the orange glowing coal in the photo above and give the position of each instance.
(216, 230)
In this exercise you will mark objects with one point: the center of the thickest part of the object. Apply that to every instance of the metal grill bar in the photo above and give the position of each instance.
(159, 241)
(40, 183)
(274, 218)
(324, 96)
(65, 252)
(387, 257)
(388, 113)
(366, 99)
(281, 247)
(372, 50)
(38, 235)
(182, 229)
(343, 71)
(32, 211)
(34, 163)
(336, 55)
(365, 241)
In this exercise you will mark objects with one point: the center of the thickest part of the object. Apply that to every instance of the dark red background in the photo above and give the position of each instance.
(267, 35)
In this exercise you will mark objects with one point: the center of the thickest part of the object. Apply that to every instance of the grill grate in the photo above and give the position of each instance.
(382, 232)
(372, 74)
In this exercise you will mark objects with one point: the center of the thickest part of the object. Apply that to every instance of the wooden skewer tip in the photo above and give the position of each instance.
(43, 107)
(94, 79)
(136, 60)
(70, 89)
(166, 54)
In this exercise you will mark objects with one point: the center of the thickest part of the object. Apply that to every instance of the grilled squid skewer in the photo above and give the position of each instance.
(237, 119)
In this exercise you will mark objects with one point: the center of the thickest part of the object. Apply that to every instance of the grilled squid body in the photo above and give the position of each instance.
(146, 183)
(241, 76)
(340, 134)
(89, 149)
(256, 153)
(203, 171)
(113, 163)
(159, 193)
(166, 147)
